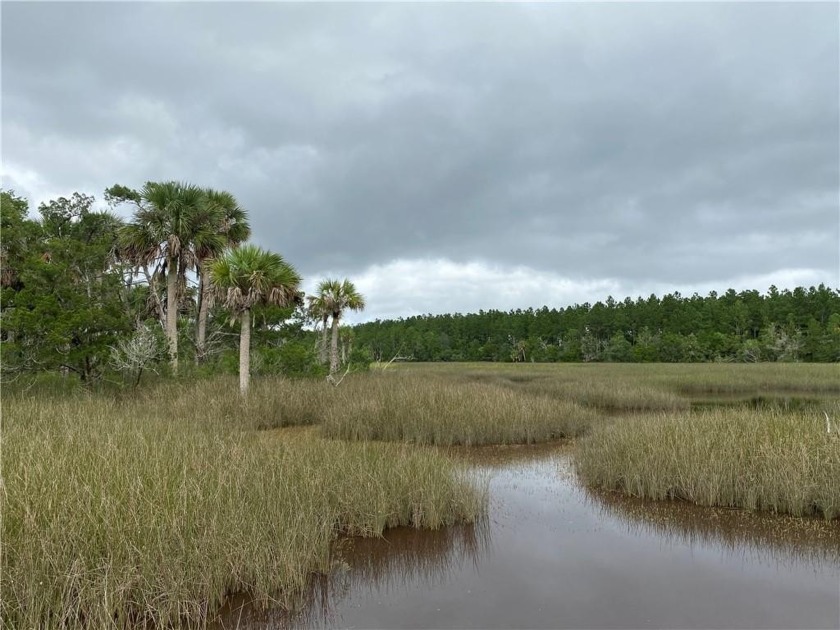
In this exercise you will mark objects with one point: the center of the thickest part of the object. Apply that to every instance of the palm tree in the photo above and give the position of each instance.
(170, 225)
(319, 310)
(234, 229)
(338, 296)
(245, 277)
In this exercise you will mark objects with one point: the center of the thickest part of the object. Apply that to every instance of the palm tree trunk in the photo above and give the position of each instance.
(172, 313)
(203, 309)
(245, 351)
(151, 280)
(323, 349)
(334, 345)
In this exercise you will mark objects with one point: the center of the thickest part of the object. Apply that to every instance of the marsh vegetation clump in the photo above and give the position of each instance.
(272, 403)
(136, 514)
(437, 410)
(731, 380)
(615, 396)
(740, 457)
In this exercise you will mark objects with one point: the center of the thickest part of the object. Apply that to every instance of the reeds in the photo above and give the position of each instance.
(684, 380)
(763, 459)
(614, 396)
(437, 410)
(151, 512)
(728, 379)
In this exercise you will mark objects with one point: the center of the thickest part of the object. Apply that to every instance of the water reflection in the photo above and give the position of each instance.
(766, 538)
(551, 554)
(403, 556)
(494, 458)
(407, 555)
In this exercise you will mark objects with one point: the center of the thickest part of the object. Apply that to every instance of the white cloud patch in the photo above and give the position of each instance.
(402, 288)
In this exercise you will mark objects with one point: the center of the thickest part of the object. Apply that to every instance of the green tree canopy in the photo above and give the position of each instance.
(172, 227)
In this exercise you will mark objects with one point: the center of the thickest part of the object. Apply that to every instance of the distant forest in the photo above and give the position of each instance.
(798, 325)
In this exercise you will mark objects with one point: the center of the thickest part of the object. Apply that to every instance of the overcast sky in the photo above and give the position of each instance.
(456, 157)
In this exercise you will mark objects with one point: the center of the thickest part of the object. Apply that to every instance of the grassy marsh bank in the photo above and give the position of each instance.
(687, 380)
(759, 459)
(151, 512)
(757, 438)
(430, 409)
(152, 507)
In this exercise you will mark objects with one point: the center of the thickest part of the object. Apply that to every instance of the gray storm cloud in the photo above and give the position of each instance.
(627, 144)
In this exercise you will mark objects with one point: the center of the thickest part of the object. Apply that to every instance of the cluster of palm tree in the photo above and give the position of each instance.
(333, 299)
(178, 228)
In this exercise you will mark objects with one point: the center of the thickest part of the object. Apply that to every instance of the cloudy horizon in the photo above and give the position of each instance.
(456, 157)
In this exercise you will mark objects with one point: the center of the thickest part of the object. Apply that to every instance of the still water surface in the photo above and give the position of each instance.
(552, 555)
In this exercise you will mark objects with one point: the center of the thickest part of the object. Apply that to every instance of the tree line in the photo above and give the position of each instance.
(747, 326)
(84, 292)
(177, 289)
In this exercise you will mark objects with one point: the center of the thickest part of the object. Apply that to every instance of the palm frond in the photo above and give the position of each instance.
(338, 296)
(138, 244)
(249, 275)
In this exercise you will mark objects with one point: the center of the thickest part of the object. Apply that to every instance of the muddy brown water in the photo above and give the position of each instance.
(551, 554)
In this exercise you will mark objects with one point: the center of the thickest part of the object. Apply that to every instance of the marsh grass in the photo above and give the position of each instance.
(775, 379)
(618, 387)
(436, 410)
(761, 459)
(151, 512)
(612, 396)
(601, 393)
(272, 403)
(151, 507)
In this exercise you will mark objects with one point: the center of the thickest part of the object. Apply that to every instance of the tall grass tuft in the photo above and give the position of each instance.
(728, 379)
(739, 457)
(436, 410)
(611, 395)
(151, 512)
(271, 403)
